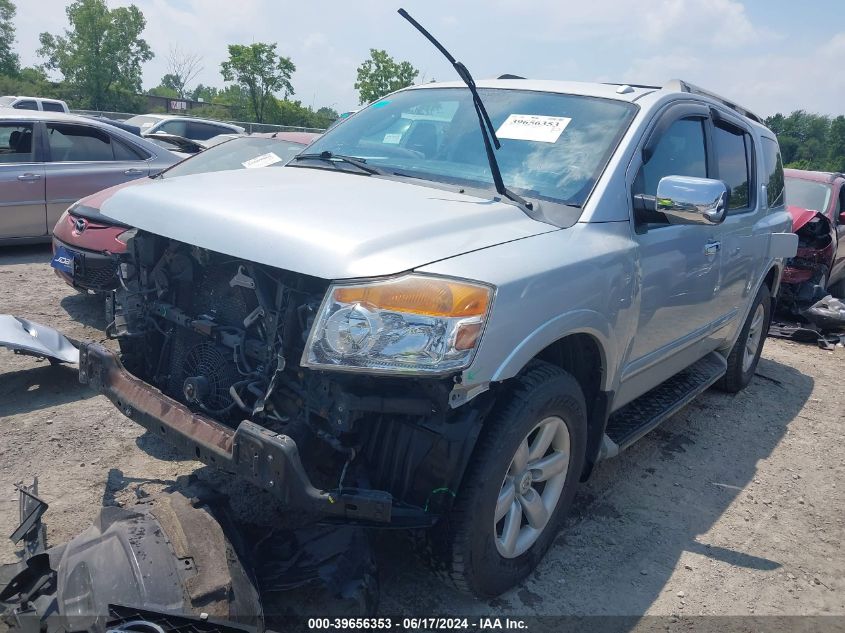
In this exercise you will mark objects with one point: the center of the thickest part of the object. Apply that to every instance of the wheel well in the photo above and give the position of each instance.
(771, 279)
(580, 356)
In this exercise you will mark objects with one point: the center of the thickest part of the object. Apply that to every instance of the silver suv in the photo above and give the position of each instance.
(407, 327)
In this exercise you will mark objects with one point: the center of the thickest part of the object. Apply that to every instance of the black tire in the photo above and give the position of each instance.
(462, 546)
(737, 376)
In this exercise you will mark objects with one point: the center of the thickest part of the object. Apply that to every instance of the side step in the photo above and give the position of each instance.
(651, 409)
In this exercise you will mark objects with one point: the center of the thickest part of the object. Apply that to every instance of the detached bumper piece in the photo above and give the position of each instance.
(269, 460)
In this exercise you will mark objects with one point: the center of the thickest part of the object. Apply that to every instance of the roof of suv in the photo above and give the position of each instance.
(179, 117)
(620, 91)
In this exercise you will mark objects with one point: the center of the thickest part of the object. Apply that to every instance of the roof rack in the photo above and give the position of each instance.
(684, 86)
(509, 76)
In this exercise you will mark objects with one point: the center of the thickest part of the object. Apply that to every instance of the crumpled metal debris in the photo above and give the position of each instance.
(33, 339)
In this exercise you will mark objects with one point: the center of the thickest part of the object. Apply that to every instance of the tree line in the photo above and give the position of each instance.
(810, 141)
(99, 59)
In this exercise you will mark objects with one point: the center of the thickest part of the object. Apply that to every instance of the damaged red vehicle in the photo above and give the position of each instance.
(85, 242)
(816, 201)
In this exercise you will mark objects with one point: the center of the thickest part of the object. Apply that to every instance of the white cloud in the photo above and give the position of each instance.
(719, 44)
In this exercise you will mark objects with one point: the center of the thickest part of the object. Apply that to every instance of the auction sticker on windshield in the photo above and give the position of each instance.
(533, 127)
(264, 160)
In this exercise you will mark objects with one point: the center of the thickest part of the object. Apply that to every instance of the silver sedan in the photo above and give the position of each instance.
(49, 160)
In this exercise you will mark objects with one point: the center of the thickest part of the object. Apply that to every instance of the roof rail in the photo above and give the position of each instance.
(684, 86)
(509, 76)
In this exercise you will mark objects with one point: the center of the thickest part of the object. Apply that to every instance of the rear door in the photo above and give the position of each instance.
(22, 202)
(85, 159)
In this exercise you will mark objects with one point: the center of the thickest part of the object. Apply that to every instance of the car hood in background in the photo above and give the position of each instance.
(801, 216)
(320, 222)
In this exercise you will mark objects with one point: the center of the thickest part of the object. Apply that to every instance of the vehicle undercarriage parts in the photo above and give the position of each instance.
(828, 314)
(165, 555)
(33, 339)
(210, 350)
(269, 460)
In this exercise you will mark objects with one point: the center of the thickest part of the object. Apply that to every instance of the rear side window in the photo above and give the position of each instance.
(733, 153)
(78, 143)
(26, 105)
(204, 131)
(124, 151)
(680, 152)
(15, 143)
(774, 171)
(51, 106)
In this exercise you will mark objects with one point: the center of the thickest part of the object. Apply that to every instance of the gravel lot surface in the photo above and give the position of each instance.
(736, 506)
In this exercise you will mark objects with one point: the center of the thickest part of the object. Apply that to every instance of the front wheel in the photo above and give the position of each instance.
(519, 484)
(745, 354)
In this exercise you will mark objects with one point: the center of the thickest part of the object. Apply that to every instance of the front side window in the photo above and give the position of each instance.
(78, 143)
(554, 146)
(733, 150)
(26, 105)
(16, 143)
(176, 128)
(679, 152)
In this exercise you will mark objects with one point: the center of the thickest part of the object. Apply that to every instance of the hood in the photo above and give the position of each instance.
(801, 216)
(320, 222)
(89, 207)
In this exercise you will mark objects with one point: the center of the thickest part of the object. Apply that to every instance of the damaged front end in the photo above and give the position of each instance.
(210, 348)
(805, 276)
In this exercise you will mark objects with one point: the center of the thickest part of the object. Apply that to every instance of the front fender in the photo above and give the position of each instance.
(575, 322)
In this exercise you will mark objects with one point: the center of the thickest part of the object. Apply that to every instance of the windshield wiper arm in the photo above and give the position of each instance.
(360, 163)
(487, 130)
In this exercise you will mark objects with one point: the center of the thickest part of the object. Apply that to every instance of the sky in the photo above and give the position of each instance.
(768, 55)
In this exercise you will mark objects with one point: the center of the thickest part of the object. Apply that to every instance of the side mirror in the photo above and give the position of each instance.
(687, 200)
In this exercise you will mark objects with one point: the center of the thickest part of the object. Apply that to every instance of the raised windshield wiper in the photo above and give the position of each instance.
(487, 131)
(330, 157)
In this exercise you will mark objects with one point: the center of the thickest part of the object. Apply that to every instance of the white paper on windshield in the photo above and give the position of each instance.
(392, 139)
(533, 127)
(262, 161)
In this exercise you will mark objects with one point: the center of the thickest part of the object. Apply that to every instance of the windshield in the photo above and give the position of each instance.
(143, 122)
(247, 152)
(4, 101)
(807, 194)
(554, 146)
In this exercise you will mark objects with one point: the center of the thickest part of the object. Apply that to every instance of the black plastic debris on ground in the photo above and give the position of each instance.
(822, 323)
(197, 571)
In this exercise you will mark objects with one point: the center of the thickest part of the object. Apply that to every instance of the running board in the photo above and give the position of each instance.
(635, 419)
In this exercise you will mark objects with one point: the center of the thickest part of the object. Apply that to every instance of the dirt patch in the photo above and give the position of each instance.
(734, 506)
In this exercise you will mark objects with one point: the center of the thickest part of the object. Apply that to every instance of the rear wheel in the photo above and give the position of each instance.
(745, 354)
(518, 487)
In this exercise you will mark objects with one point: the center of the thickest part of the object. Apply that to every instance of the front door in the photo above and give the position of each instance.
(679, 267)
(22, 192)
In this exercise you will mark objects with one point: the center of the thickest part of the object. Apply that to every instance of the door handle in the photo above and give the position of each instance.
(711, 248)
(134, 172)
(29, 177)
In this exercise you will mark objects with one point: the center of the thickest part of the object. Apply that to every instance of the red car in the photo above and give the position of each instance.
(84, 241)
(816, 201)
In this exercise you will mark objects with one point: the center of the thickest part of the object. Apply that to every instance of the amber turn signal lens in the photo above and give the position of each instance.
(421, 295)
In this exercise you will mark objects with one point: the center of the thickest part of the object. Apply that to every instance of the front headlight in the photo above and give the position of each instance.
(413, 325)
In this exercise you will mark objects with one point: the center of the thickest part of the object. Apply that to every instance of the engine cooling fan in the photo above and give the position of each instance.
(201, 373)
